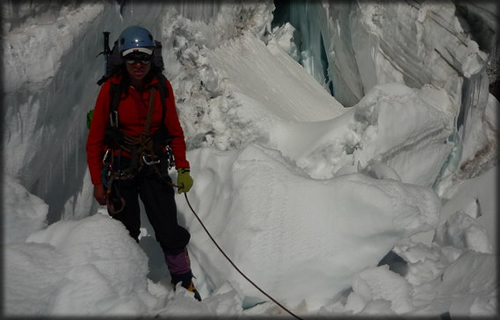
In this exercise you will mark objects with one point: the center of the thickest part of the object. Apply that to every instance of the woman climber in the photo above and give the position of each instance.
(134, 136)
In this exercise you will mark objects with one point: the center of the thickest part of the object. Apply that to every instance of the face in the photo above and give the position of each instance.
(138, 66)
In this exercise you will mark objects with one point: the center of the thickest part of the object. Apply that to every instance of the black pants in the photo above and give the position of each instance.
(158, 199)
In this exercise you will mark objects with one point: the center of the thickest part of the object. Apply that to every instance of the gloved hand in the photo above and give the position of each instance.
(184, 180)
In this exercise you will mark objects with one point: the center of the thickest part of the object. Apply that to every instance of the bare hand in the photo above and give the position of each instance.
(100, 194)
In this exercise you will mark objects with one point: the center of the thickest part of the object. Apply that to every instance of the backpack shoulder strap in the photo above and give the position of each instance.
(162, 87)
(114, 93)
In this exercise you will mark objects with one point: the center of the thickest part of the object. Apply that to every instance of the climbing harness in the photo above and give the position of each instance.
(140, 148)
(231, 262)
(145, 149)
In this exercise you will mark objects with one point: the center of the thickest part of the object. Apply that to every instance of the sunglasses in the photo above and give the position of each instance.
(142, 58)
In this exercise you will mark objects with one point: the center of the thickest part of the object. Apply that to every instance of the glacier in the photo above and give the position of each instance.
(333, 133)
(351, 81)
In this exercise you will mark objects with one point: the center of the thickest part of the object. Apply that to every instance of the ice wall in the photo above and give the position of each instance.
(369, 43)
(372, 43)
(309, 20)
(49, 69)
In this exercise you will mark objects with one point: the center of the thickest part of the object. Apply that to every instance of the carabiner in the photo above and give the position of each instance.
(149, 162)
(105, 157)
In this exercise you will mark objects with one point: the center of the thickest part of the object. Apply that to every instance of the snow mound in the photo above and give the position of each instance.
(285, 214)
(24, 213)
(94, 268)
(393, 124)
(464, 292)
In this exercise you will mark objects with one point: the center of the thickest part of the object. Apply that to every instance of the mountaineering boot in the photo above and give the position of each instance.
(186, 282)
(179, 266)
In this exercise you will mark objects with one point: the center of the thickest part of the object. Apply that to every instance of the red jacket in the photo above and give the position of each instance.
(131, 122)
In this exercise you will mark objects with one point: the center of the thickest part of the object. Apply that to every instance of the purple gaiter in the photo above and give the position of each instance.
(178, 263)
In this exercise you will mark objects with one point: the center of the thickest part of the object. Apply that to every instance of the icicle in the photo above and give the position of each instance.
(452, 162)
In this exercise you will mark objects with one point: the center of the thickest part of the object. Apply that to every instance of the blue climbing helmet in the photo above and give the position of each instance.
(135, 39)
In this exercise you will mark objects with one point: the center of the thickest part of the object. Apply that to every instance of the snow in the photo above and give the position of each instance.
(265, 194)
(305, 192)
(93, 266)
(67, 27)
(25, 213)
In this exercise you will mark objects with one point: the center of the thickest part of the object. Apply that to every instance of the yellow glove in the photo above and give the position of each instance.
(184, 180)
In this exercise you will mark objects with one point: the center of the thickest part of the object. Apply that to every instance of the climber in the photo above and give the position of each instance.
(134, 136)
